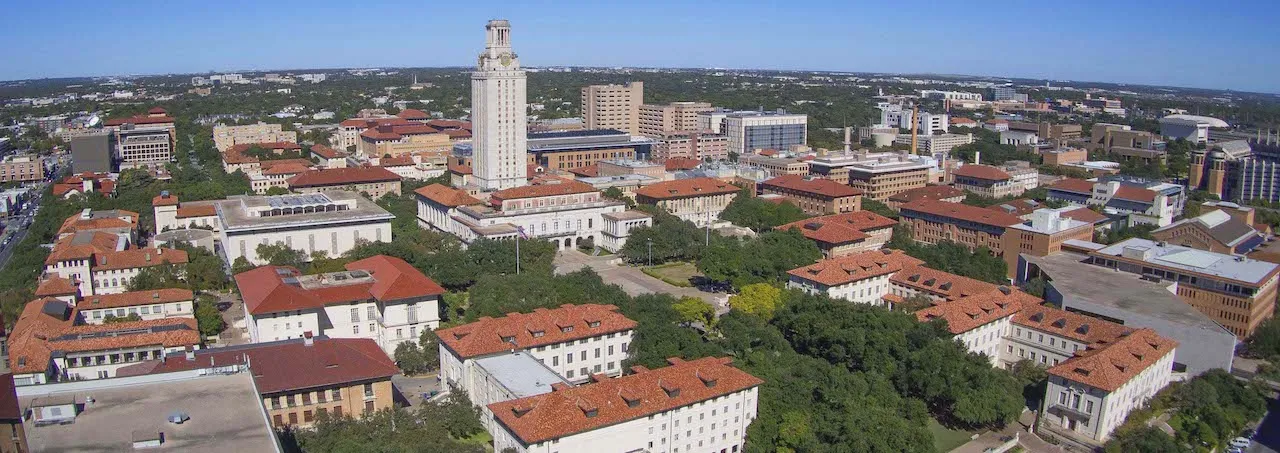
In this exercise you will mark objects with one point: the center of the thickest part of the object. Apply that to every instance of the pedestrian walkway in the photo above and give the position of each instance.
(632, 280)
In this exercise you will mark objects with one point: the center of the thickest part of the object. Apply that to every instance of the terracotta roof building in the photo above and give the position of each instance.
(299, 379)
(844, 234)
(147, 305)
(816, 196)
(625, 412)
(381, 298)
(1092, 393)
(1142, 201)
(938, 193)
(84, 183)
(48, 345)
(224, 137)
(375, 181)
(698, 200)
(935, 221)
(1216, 231)
(104, 263)
(144, 140)
(114, 221)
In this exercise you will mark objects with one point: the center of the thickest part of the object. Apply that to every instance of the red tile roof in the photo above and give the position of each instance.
(459, 169)
(395, 279)
(267, 165)
(943, 284)
(965, 314)
(164, 200)
(853, 268)
(447, 196)
(285, 169)
(100, 182)
(457, 133)
(960, 212)
(1135, 194)
(1084, 214)
(1110, 365)
(373, 122)
(413, 114)
(135, 298)
(137, 258)
(549, 187)
(324, 151)
(813, 186)
(445, 124)
(927, 193)
(606, 402)
(198, 210)
(681, 163)
(1019, 207)
(1073, 185)
(983, 172)
(399, 161)
(264, 290)
(75, 224)
(527, 330)
(684, 188)
(962, 120)
(291, 365)
(82, 246)
(343, 176)
(47, 326)
(587, 171)
(840, 228)
(53, 285)
(1085, 329)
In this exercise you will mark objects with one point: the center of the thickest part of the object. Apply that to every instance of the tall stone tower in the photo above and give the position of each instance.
(498, 106)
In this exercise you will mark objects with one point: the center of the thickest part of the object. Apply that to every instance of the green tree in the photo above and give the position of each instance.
(157, 277)
(759, 299)
(914, 303)
(241, 265)
(430, 346)
(208, 318)
(113, 319)
(1265, 341)
(1145, 439)
(615, 193)
(279, 254)
(409, 358)
(748, 211)
(693, 309)
(277, 191)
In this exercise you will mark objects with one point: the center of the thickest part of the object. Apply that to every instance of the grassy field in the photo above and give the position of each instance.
(481, 438)
(677, 274)
(945, 439)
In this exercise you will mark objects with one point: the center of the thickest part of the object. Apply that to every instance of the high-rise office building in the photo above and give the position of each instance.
(751, 131)
(613, 106)
(498, 107)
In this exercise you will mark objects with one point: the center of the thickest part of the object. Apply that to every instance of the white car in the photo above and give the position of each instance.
(1240, 443)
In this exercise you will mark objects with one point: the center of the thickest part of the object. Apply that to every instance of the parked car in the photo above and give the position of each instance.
(1240, 443)
(224, 306)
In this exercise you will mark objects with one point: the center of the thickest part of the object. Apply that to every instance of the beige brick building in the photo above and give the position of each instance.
(698, 200)
(21, 168)
(224, 137)
(613, 106)
(657, 120)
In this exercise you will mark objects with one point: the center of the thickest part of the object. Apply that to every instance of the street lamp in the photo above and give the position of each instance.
(650, 243)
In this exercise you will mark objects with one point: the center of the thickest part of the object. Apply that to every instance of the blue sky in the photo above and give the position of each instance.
(1232, 44)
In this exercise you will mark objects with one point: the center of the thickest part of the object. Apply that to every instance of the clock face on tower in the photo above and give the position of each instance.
(505, 59)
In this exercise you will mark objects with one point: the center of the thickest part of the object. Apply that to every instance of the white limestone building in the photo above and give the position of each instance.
(498, 109)
(701, 405)
(332, 222)
(381, 298)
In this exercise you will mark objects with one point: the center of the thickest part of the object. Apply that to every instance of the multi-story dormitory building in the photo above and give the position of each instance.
(95, 252)
(1099, 370)
(546, 382)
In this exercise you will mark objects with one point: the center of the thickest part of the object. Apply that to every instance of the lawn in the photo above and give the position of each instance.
(677, 274)
(481, 438)
(946, 439)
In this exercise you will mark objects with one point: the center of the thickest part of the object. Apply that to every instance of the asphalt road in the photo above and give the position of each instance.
(631, 279)
(1268, 438)
(19, 233)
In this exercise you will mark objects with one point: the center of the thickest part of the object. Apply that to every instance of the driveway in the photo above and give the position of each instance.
(411, 388)
(1268, 438)
(233, 335)
(631, 279)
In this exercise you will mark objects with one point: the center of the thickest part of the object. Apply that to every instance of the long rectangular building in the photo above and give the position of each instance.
(332, 222)
(689, 406)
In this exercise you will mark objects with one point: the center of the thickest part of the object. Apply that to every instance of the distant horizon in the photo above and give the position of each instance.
(1176, 43)
(887, 73)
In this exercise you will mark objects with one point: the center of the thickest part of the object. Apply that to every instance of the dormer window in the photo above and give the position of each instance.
(537, 333)
(509, 339)
(593, 324)
(591, 413)
(566, 329)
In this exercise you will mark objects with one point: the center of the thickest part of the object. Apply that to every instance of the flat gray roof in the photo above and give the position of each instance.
(520, 373)
(235, 217)
(1193, 260)
(226, 415)
(1120, 290)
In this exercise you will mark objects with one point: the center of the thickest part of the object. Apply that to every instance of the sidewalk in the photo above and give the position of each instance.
(632, 280)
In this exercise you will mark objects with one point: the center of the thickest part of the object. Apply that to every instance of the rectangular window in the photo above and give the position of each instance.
(337, 395)
(293, 418)
(355, 314)
(372, 312)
